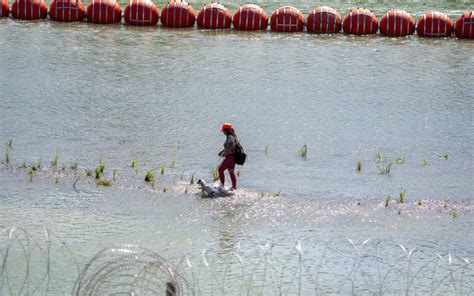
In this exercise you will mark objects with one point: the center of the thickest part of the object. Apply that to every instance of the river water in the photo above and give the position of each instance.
(157, 96)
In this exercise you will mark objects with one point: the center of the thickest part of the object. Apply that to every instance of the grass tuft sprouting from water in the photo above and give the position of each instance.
(384, 167)
(74, 165)
(387, 200)
(400, 160)
(192, 181)
(150, 176)
(303, 152)
(54, 161)
(266, 149)
(114, 174)
(425, 163)
(165, 189)
(162, 169)
(99, 170)
(186, 190)
(7, 156)
(359, 166)
(237, 173)
(215, 175)
(401, 195)
(9, 143)
(276, 194)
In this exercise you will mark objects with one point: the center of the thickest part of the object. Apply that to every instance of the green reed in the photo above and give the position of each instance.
(88, 172)
(401, 195)
(387, 200)
(359, 166)
(384, 168)
(9, 143)
(425, 163)
(215, 175)
(54, 161)
(165, 189)
(400, 160)
(186, 190)
(114, 174)
(192, 181)
(162, 169)
(74, 165)
(150, 176)
(303, 152)
(266, 149)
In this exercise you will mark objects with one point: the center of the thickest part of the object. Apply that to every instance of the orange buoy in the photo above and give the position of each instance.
(360, 22)
(250, 17)
(4, 8)
(178, 14)
(29, 9)
(104, 12)
(141, 13)
(434, 24)
(287, 19)
(397, 23)
(465, 25)
(323, 19)
(214, 16)
(66, 10)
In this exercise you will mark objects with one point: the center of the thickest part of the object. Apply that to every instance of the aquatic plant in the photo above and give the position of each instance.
(266, 149)
(384, 168)
(238, 173)
(74, 165)
(34, 167)
(162, 169)
(10, 143)
(215, 175)
(165, 189)
(379, 157)
(401, 195)
(387, 200)
(63, 167)
(30, 174)
(261, 194)
(445, 156)
(192, 181)
(359, 166)
(303, 151)
(7, 156)
(88, 172)
(54, 161)
(454, 215)
(277, 193)
(134, 164)
(99, 170)
(186, 190)
(150, 176)
(445, 203)
(173, 160)
(23, 165)
(400, 160)
(103, 182)
(56, 178)
(114, 174)
(418, 202)
(425, 162)
(39, 163)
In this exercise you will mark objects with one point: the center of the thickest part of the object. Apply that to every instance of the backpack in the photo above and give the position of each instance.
(239, 154)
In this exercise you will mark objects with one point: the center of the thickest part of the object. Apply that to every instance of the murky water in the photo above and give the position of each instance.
(155, 95)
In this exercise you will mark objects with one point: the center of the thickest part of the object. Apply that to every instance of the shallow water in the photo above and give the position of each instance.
(117, 93)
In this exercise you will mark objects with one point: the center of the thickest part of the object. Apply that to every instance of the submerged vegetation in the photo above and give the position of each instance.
(401, 195)
(150, 176)
(303, 152)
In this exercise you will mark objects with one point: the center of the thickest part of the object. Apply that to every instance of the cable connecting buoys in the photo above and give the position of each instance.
(66, 10)
(360, 22)
(434, 24)
(29, 9)
(104, 12)
(397, 23)
(4, 8)
(141, 13)
(465, 25)
(214, 16)
(287, 19)
(178, 14)
(323, 19)
(250, 17)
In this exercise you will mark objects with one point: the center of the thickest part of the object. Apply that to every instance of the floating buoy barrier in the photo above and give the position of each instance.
(250, 17)
(141, 13)
(29, 9)
(360, 22)
(287, 19)
(397, 23)
(465, 25)
(4, 8)
(214, 16)
(324, 20)
(104, 12)
(178, 14)
(66, 10)
(434, 24)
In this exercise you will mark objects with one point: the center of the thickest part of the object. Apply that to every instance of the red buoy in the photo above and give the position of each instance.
(29, 9)
(360, 22)
(141, 13)
(214, 16)
(465, 25)
(178, 14)
(287, 19)
(104, 12)
(323, 19)
(434, 24)
(250, 17)
(66, 10)
(397, 23)
(4, 7)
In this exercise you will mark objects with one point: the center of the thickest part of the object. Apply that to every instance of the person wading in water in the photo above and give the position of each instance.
(227, 155)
